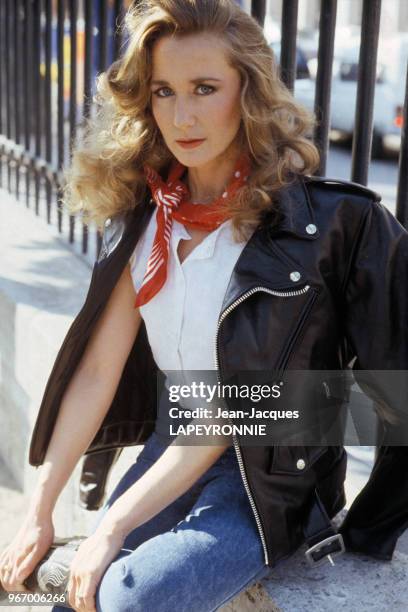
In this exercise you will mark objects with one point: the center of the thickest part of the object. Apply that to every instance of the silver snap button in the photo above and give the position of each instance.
(295, 276)
(300, 464)
(237, 174)
(108, 222)
(311, 228)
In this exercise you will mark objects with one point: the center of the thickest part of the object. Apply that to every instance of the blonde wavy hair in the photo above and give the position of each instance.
(105, 176)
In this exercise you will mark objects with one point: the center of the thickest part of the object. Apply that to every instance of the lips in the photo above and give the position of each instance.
(190, 144)
(190, 140)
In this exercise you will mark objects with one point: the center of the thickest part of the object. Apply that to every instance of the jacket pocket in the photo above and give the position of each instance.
(294, 460)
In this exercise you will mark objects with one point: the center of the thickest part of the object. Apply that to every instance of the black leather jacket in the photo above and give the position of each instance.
(336, 239)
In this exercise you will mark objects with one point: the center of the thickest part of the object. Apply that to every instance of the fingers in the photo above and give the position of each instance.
(5, 572)
(85, 604)
(9, 582)
(71, 591)
(14, 568)
(14, 583)
(86, 593)
(26, 566)
(23, 554)
(81, 594)
(5, 566)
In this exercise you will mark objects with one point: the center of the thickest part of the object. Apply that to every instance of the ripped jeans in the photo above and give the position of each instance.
(196, 554)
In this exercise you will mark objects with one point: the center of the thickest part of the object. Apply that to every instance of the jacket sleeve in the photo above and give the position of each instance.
(376, 332)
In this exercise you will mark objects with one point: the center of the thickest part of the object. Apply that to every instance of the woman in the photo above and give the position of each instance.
(199, 159)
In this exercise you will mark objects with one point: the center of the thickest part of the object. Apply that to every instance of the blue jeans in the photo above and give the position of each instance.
(196, 554)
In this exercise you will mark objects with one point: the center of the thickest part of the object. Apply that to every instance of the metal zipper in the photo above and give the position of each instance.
(234, 438)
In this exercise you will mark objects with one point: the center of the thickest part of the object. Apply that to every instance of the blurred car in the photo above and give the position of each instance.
(388, 95)
(308, 40)
(302, 68)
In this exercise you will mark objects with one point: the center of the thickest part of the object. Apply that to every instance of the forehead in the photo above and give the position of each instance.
(185, 56)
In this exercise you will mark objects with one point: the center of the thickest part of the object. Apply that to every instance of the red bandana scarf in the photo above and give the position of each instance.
(172, 199)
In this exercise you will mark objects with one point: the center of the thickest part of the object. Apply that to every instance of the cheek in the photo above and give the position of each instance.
(160, 114)
(226, 113)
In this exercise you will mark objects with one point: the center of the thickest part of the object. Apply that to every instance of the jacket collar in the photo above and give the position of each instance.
(260, 263)
(298, 218)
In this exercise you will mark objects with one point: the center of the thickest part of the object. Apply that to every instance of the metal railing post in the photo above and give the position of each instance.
(327, 26)
(362, 141)
(402, 189)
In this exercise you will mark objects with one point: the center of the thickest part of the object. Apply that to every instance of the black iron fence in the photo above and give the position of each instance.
(51, 52)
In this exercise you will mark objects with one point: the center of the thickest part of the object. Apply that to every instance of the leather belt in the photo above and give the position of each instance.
(321, 537)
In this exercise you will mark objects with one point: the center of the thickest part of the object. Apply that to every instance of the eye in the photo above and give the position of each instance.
(157, 92)
(208, 87)
(206, 90)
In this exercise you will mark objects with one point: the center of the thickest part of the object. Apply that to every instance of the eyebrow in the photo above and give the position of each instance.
(194, 81)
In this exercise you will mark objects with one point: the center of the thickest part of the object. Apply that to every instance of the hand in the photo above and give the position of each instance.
(28, 547)
(88, 566)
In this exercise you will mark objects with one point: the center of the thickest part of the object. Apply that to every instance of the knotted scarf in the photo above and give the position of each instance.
(173, 202)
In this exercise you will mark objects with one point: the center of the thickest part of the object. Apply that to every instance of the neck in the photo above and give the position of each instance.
(208, 182)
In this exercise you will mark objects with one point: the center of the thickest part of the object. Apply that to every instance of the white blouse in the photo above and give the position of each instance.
(181, 319)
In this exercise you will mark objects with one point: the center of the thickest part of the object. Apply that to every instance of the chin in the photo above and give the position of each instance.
(195, 161)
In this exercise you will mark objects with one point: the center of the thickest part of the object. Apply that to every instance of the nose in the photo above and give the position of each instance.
(183, 116)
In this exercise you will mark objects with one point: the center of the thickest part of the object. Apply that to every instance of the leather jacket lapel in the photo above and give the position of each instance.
(294, 202)
(261, 264)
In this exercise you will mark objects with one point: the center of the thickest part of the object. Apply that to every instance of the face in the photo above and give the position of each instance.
(195, 95)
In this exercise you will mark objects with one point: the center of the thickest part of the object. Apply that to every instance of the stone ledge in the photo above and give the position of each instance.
(42, 286)
(355, 584)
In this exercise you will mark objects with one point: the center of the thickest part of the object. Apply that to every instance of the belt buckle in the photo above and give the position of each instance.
(316, 547)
